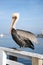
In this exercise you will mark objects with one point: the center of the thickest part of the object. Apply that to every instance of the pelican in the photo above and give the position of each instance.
(21, 37)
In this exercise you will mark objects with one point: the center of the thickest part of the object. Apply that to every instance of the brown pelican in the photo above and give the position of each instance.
(21, 37)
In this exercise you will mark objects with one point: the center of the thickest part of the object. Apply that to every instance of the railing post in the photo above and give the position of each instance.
(2, 58)
(36, 61)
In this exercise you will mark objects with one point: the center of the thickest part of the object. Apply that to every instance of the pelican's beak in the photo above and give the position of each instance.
(14, 17)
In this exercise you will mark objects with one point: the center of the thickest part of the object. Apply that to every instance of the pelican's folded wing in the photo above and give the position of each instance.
(28, 35)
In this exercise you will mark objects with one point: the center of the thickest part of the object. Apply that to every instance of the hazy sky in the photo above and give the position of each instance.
(31, 15)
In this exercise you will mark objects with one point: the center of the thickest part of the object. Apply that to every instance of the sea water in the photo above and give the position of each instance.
(9, 43)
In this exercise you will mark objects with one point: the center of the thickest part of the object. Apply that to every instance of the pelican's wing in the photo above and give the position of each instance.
(27, 34)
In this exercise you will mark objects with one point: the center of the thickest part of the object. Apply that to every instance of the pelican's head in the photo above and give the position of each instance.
(15, 18)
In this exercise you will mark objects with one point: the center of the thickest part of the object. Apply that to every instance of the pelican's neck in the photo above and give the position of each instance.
(13, 24)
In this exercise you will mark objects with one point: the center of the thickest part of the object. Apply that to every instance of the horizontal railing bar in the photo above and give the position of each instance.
(23, 54)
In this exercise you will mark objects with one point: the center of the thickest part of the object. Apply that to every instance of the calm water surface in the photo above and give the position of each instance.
(8, 42)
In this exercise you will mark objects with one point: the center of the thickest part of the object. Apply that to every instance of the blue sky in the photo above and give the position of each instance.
(31, 15)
